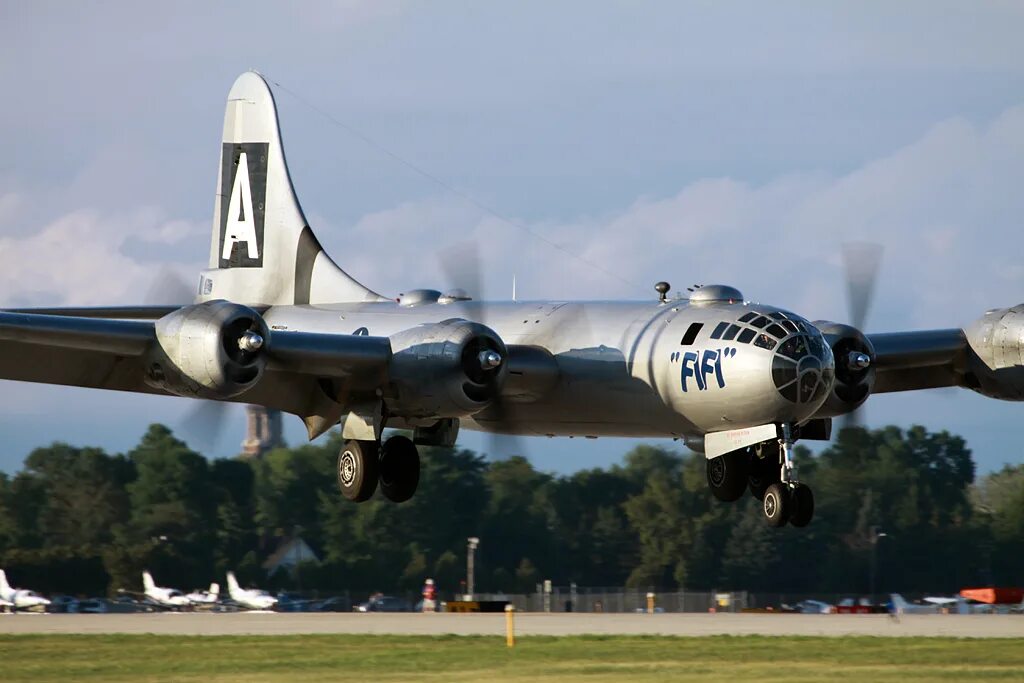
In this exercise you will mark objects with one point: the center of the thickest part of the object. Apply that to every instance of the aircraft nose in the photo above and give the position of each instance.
(803, 367)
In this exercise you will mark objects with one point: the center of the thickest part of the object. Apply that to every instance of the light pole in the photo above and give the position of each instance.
(471, 546)
(876, 534)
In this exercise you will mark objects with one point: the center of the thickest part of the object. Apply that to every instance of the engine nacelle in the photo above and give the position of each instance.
(454, 368)
(210, 350)
(854, 376)
(995, 363)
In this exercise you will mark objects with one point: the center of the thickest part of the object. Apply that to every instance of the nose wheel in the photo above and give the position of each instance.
(785, 499)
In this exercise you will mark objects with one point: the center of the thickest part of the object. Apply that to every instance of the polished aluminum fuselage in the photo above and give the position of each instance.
(623, 367)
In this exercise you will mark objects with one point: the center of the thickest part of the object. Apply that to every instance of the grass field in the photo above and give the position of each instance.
(460, 658)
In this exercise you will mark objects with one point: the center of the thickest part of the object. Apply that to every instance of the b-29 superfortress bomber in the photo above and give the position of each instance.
(276, 322)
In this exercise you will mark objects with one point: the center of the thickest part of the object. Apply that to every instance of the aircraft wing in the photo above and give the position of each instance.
(929, 359)
(307, 374)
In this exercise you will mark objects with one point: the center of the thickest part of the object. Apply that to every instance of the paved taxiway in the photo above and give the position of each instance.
(241, 623)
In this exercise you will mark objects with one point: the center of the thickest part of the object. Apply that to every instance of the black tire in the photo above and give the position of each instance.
(727, 475)
(803, 506)
(399, 469)
(764, 472)
(358, 470)
(776, 505)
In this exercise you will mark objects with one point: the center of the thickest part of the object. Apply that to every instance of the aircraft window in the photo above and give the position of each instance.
(789, 325)
(795, 348)
(717, 334)
(783, 374)
(731, 332)
(747, 317)
(789, 392)
(764, 341)
(760, 322)
(776, 331)
(691, 333)
(778, 315)
(745, 336)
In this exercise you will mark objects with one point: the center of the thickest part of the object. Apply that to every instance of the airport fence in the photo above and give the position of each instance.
(621, 600)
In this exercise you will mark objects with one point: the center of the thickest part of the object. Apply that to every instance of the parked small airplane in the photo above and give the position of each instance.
(205, 597)
(250, 598)
(19, 598)
(941, 605)
(163, 597)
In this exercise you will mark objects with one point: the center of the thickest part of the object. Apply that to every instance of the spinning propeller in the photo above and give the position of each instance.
(461, 265)
(861, 261)
(202, 425)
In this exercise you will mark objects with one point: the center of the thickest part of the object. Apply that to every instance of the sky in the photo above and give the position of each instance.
(698, 142)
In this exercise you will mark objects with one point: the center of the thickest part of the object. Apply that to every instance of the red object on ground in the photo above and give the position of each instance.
(993, 596)
(853, 609)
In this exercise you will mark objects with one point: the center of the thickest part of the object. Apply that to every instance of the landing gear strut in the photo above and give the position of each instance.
(784, 500)
(395, 465)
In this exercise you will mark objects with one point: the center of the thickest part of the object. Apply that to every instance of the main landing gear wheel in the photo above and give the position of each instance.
(727, 475)
(358, 470)
(776, 504)
(399, 469)
(803, 505)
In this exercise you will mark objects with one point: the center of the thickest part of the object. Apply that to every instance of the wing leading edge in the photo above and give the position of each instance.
(310, 375)
(905, 361)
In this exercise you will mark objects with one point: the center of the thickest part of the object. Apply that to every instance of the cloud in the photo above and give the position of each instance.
(79, 258)
(945, 206)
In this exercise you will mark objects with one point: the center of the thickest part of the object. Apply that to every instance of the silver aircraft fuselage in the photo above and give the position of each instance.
(641, 369)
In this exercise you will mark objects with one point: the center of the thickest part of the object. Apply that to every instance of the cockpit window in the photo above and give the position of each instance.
(719, 329)
(764, 341)
(795, 348)
(776, 331)
(778, 315)
(691, 333)
(760, 322)
(747, 317)
(745, 336)
(789, 325)
(731, 332)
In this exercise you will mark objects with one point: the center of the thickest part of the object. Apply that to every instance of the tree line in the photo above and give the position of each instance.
(82, 521)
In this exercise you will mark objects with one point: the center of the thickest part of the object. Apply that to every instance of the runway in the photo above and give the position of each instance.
(527, 624)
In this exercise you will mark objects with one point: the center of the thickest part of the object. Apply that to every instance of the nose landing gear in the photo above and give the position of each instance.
(786, 500)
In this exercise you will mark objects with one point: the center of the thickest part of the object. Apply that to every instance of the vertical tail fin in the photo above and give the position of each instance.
(147, 582)
(5, 588)
(233, 588)
(262, 250)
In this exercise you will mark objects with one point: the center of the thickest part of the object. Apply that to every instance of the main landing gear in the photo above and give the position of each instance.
(395, 465)
(767, 470)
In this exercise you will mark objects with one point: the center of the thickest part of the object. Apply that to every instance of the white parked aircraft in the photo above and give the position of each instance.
(939, 605)
(209, 597)
(163, 597)
(19, 598)
(251, 598)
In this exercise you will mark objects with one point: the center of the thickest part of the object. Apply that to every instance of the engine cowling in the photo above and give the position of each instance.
(210, 350)
(454, 368)
(855, 374)
(995, 363)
